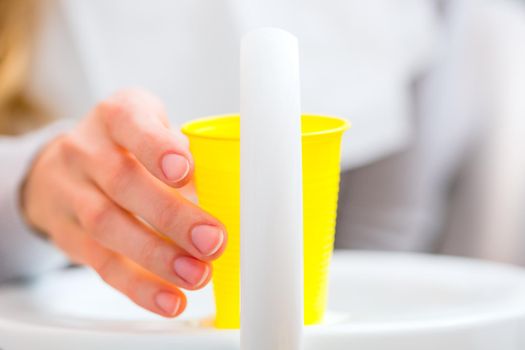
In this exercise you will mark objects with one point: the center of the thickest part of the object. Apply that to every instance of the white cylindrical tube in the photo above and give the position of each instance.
(271, 192)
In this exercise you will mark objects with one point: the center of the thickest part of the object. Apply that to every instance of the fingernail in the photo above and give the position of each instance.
(168, 302)
(175, 167)
(207, 239)
(190, 270)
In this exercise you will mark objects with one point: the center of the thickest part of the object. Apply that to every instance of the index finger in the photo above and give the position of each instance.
(136, 121)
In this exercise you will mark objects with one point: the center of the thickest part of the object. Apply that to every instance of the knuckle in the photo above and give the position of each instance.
(94, 216)
(102, 266)
(131, 286)
(120, 105)
(119, 175)
(148, 252)
(148, 138)
(139, 95)
(115, 110)
(168, 214)
(148, 142)
(69, 148)
(128, 107)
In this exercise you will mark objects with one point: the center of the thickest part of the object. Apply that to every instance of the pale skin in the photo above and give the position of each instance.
(106, 193)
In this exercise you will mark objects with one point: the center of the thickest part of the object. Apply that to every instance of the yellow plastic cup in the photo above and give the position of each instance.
(214, 143)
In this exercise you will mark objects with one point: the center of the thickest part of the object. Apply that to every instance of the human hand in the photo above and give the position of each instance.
(105, 193)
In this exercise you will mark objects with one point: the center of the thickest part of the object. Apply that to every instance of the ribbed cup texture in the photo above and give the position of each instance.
(217, 181)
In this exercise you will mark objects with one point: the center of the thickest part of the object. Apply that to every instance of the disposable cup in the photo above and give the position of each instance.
(214, 143)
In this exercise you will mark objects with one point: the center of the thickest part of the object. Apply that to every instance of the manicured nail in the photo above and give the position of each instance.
(175, 167)
(191, 270)
(168, 302)
(207, 239)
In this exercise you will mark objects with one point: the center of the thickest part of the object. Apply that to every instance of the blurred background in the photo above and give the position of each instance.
(435, 90)
(458, 186)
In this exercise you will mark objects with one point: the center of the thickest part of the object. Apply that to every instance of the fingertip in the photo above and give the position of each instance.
(171, 304)
(195, 273)
(208, 239)
(222, 246)
(176, 168)
(182, 303)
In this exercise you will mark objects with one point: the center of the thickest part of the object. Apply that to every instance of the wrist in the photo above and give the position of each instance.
(28, 199)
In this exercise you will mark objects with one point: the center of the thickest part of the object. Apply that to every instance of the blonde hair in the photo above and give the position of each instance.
(17, 22)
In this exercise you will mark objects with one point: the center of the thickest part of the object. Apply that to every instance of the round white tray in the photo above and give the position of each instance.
(378, 301)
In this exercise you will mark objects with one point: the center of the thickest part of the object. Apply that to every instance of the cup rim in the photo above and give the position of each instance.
(188, 128)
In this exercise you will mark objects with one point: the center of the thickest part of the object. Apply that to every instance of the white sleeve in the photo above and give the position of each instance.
(22, 252)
